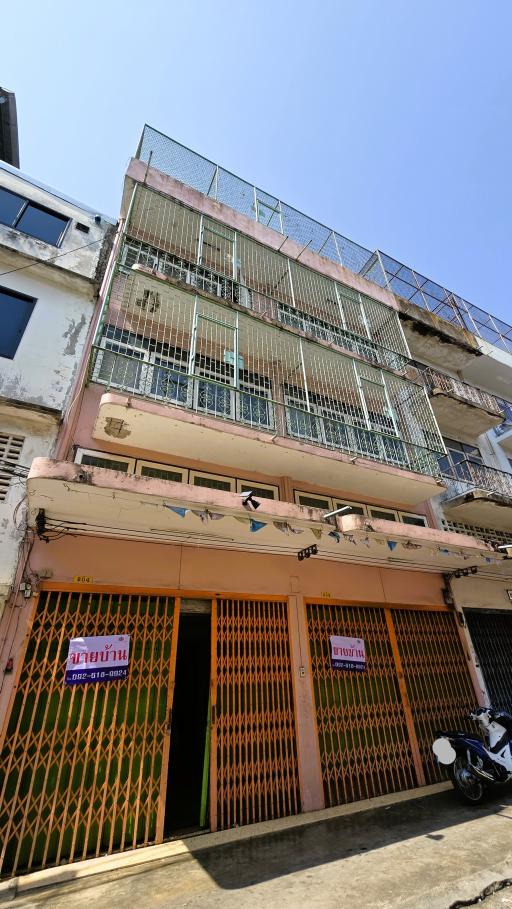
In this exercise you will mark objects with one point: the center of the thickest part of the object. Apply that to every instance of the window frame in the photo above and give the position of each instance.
(27, 203)
(105, 455)
(31, 302)
(312, 495)
(141, 462)
(408, 514)
(256, 487)
(144, 362)
(212, 476)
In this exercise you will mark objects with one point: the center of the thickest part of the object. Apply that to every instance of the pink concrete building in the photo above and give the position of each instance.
(252, 465)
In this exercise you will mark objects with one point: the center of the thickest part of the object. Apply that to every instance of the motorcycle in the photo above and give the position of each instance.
(473, 764)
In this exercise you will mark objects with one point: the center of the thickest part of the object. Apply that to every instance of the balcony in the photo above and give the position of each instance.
(169, 239)
(188, 375)
(461, 410)
(183, 164)
(72, 498)
(478, 494)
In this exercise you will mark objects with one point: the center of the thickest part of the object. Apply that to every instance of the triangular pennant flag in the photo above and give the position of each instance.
(317, 533)
(410, 545)
(366, 542)
(334, 535)
(181, 511)
(215, 516)
(391, 544)
(349, 538)
(203, 515)
(296, 529)
(256, 525)
(282, 526)
(444, 551)
(241, 520)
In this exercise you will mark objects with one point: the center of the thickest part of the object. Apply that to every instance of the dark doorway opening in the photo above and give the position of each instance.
(189, 726)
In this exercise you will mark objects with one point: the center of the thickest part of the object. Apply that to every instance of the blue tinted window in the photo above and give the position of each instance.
(42, 224)
(15, 311)
(10, 207)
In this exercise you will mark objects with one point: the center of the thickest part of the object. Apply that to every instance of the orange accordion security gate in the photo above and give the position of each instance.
(375, 728)
(84, 766)
(254, 766)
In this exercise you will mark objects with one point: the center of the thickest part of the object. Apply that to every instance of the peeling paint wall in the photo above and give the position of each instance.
(79, 250)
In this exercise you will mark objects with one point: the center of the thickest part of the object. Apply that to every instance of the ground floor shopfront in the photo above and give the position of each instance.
(231, 712)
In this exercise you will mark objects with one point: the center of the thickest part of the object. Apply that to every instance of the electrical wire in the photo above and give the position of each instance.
(51, 258)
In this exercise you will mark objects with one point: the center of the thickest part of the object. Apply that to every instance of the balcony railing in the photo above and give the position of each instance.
(469, 474)
(194, 170)
(162, 343)
(435, 379)
(256, 410)
(164, 234)
(208, 281)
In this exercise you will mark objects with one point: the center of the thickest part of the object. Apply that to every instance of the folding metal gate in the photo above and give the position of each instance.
(84, 766)
(491, 634)
(376, 727)
(254, 769)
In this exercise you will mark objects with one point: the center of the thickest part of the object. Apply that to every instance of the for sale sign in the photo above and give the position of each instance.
(347, 653)
(99, 659)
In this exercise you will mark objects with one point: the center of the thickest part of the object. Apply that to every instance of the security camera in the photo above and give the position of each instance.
(248, 501)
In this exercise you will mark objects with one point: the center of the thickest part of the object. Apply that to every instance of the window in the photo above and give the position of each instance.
(261, 492)
(417, 520)
(31, 218)
(15, 311)
(169, 378)
(381, 514)
(10, 453)
(312, 501)
(161, 472)
(211, 481)
(455, 463)
(122, 365)
(92, 458)
(356, 508)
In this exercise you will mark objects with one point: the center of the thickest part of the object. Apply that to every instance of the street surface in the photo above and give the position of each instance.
(424, 854)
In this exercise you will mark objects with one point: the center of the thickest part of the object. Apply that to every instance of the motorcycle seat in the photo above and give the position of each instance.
(504, 719)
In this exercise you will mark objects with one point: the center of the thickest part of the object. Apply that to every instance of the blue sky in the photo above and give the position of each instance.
(389, 121)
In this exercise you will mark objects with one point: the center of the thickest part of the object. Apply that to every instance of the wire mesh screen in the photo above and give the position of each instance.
(185, 165)
(198, 250)
(169, 345)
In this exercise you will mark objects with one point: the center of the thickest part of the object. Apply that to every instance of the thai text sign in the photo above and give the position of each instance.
(101, 659)
(347, 653)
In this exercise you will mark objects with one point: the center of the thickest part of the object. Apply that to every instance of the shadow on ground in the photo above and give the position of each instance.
(246, 863)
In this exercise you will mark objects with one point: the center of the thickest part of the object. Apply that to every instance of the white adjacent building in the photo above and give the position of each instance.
(53, 253)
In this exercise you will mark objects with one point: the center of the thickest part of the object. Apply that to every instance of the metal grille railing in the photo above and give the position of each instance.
(193, 169)
(469, 474)
(165, 344)
(166, 236)
(440, 380)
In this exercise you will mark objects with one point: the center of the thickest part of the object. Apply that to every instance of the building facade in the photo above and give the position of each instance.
(52, 253)
(250, 373)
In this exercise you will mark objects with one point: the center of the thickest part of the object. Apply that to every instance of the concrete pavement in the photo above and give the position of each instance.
(432, 852)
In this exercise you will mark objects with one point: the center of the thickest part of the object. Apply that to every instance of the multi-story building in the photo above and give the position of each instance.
(52, 254)
(251, 373)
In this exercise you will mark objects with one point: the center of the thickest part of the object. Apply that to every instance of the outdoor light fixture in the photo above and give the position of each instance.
(330, 514)
(307, 553)
(248, 501)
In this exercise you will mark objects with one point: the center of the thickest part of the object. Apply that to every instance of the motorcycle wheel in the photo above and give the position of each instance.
(467, 786)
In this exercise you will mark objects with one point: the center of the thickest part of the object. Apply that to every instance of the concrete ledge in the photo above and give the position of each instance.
(181, 850)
